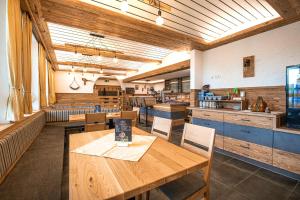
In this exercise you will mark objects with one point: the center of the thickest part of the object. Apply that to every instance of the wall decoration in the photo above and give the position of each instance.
(136, 87)
(86, 80)
(248, 66)
(74, 85)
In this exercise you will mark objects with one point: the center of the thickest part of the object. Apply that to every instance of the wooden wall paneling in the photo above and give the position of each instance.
(194, 102)
(273, 95)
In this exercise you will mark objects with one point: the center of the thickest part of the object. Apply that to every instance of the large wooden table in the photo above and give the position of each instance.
(94, 177)
(81, 117)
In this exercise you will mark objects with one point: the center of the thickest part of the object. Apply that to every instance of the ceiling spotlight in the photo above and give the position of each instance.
(159, 19)
(124, 6)
(115, 60)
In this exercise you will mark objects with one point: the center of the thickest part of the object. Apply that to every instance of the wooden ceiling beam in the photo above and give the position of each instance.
(99, 20)
(91, 72)
(80, 64)
(286, 9)
(160, 71)
(103, 52)
(255, 30)
(40, 28)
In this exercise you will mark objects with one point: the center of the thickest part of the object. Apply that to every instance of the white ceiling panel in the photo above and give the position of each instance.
(206, 19)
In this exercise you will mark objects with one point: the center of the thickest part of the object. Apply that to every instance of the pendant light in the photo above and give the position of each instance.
(101, 71)
(115, 60)
(124, 6)
(100, 57)
(73, 70)
(159, 19)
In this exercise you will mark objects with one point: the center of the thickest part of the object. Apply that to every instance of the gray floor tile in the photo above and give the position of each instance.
(277, 179)
(229, 175)
(258, 188)
(296, 193)
(217, 189)
(233, 195)
(221, 157)
(242, 165)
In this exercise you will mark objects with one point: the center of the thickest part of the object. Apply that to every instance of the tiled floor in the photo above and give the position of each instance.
(232, 179)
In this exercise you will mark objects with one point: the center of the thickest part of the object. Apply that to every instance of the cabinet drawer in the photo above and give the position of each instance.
(219, 141)
(210, 115)
(249, 120)
(249, 150)
(210, 124)
(250, 134)
(287, 142)
(286, 160)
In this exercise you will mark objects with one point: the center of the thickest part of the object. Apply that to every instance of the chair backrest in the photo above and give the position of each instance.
(130, 115)
(162, 127)
(94, 127)
(95, 118)
(200, 140)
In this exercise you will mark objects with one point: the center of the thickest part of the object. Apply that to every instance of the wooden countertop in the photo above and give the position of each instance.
(170, 107)
(243, 112)
(288, 130)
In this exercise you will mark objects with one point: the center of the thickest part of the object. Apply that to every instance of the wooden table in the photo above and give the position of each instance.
(94, 177)
(81, 117)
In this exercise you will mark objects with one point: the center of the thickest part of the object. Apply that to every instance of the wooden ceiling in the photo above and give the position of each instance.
(189, 24)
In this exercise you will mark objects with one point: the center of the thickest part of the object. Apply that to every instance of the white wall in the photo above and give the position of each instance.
(273, 51)
(4, 87)
(63, 80)
(196, 69)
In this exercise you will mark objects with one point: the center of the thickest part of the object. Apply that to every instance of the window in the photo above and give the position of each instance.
(4, 91)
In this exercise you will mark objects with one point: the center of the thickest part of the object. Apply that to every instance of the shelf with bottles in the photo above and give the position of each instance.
(227, 104)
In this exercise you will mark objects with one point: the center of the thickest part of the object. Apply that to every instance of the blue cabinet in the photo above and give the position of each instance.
(287, 142)
(210, 124)
(250, 134)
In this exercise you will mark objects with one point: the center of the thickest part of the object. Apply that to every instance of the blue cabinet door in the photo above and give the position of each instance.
(287, 142)
(250, 134)
(210, 124)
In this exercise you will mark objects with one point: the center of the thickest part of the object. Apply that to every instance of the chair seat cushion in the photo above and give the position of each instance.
(184, 187)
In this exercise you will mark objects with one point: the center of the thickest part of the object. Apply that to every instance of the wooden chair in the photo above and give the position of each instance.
(162, 127)
(195, 185)
(95, 122)
(130, 115)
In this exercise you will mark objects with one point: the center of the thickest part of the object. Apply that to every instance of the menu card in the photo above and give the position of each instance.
(123, 131)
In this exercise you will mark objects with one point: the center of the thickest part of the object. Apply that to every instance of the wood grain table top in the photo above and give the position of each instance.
(81, 117)
(93, 177)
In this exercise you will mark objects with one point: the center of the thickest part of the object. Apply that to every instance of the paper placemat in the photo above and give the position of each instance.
(106, 146)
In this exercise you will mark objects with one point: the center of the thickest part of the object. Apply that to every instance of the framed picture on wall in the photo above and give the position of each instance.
(248, 66)
(136, 87)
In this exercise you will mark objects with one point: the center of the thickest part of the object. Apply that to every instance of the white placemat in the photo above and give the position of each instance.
(106, 146)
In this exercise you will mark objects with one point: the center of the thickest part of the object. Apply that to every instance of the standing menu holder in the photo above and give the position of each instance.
(123, 132)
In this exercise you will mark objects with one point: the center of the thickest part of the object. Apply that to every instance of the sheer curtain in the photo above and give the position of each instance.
(51, 96)
(14, 47)
(35, 91)
(26, 58)
(42, 76)
(4, 91)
